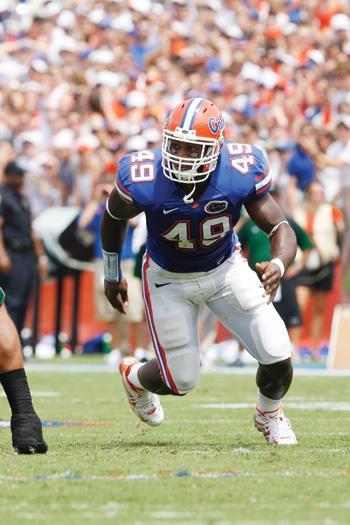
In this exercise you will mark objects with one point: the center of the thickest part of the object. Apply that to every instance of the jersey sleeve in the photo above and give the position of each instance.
(123, 182)
(262, 176)
(135, 179)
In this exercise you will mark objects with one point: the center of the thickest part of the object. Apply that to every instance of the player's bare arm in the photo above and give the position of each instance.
(267, 214)
(114, 226)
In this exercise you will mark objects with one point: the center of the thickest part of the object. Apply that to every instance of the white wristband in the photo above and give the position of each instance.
(277, 261)
(111, 266)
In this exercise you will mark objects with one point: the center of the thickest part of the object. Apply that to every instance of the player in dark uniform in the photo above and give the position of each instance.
(256, 242)
(26, 429)
(192, 191)
(21, 251)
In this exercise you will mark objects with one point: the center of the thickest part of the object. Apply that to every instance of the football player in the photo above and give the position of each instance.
(27, 437)
(192, 190)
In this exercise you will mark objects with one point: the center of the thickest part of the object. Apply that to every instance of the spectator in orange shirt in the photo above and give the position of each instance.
(324, 223)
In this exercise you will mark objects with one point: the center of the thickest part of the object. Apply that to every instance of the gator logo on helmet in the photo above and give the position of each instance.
(216, 206)
(215, 125)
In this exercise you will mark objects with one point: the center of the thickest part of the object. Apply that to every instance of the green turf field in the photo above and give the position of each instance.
(84, 478)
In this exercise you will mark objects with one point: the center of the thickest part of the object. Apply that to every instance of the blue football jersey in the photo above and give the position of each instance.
(199, 236)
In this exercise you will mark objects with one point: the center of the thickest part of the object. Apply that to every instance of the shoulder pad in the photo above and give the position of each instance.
(249, 162)
(136, 175)
(262, 175)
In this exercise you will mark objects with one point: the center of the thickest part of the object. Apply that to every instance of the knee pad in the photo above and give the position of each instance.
(274, 380)
(270, 336)
(165, 391)
(185, 370)
(184, 387)
(181, 367)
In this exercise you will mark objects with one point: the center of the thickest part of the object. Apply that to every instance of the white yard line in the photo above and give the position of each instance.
(35, 393)
(72, 368)
(332, 406)
(298, 371)
(245, 370)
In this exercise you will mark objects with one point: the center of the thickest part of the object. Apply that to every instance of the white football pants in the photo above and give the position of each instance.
(234, 294)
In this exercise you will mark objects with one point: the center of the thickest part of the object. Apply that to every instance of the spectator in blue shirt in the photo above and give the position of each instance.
(301, 165)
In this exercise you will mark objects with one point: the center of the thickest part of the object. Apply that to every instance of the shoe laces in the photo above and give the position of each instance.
(281, 422)
(145, 400)
(277, 423)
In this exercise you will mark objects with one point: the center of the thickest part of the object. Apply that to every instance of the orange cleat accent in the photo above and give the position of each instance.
(145, 404)
(276, 428)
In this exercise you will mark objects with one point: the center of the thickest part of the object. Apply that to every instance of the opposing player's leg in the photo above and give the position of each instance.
(26, 429)
(241, 306)
(172, 320)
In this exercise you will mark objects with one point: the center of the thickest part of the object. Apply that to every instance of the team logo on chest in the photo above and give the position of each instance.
(213, 207)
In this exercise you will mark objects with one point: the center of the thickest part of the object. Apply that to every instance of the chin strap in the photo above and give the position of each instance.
(187, 198)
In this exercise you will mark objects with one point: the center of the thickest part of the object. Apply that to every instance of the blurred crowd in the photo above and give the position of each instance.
(82, 83)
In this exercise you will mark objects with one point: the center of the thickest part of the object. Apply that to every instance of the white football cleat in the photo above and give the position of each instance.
(145, 404)
(276, 428)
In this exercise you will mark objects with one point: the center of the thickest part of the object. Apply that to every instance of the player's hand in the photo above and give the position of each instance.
(5, 263)
(117, 294)
(271, 275)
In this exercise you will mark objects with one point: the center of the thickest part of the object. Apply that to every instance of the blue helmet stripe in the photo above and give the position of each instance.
(195, 112)
(184, 115)
(190, 113)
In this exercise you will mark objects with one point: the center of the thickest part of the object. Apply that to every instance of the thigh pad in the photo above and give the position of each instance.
(173, 330)
(270, 337)
(246, 287)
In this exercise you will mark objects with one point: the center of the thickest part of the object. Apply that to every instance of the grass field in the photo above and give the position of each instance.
(205, 465)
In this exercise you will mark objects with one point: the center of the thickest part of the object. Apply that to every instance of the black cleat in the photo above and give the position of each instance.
(27, 436)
